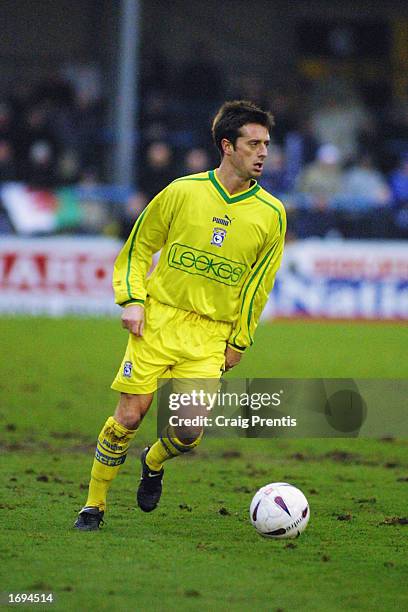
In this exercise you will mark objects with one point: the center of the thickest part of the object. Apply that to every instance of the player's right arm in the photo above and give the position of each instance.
(134, 260)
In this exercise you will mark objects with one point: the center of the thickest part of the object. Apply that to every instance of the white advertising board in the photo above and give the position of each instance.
(342, 279)
(318, 278)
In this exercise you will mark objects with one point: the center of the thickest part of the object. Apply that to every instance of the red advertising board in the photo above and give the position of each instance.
(57, 275)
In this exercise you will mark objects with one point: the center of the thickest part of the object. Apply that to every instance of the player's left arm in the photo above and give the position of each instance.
(232, 358)
(258, 286)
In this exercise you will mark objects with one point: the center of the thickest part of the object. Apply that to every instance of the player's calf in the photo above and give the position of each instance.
(150, 487)
(166, 447)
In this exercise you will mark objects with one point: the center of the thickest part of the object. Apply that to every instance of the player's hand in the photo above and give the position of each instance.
(232, 358)
(133, 319)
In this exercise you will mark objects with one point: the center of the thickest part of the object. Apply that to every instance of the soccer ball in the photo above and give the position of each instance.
(279, 510)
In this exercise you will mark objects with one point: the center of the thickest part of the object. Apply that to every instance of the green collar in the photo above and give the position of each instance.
(224, 193)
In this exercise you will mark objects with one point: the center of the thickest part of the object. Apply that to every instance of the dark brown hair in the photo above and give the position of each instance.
(232, 116)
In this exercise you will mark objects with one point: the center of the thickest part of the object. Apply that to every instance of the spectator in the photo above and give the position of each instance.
(393, 143)
(275, 177)
(5, 225)
(251, 87)
(8, 170)
(38, 149)
(322, 179)
(399, 182)
(155, 115)
(5, 121)
(300, 149)
(196, 160)
(54, 92)
(95, 211)
(363, 182)
(66, 123)
(68, 167)
(133, 207)
(89, 178)
(40, 165)
(157, 171)
(21, 99)
(282, 106)
(89, 121)
(399, 187)
(341, 123)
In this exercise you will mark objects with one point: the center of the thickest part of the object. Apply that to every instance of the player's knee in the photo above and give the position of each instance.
(131, 409)
(189, 435)
(190, 429)
(129, 420)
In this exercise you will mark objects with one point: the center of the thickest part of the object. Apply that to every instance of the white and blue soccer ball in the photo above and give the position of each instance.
(279, 510)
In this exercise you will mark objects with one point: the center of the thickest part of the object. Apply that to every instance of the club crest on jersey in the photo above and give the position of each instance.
(218, 236)
(127, 369)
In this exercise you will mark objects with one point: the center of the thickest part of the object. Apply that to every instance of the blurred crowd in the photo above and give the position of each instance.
(338, 159)
(50, 134)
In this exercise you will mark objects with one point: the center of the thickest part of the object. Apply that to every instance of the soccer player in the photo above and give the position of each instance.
(221, 238)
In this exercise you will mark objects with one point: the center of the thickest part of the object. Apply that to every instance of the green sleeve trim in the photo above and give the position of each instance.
(253, 276)
(249, 283)
(132, 244)
(129, 302)
(254, 294)
(239, 349)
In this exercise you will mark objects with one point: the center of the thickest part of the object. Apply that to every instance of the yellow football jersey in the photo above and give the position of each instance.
(220, 252)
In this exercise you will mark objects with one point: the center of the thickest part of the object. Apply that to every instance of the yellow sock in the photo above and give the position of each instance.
(111, 450)
(167, 447)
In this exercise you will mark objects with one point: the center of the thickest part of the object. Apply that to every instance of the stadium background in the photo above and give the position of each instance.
(100, 109)
(102, 103)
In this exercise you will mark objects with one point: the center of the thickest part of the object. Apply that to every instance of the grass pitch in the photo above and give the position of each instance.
(198, 549)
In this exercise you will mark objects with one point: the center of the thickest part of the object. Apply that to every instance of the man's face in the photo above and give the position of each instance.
(250, 151)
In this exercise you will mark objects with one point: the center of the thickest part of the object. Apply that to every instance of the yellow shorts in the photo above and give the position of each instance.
(175, 344)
